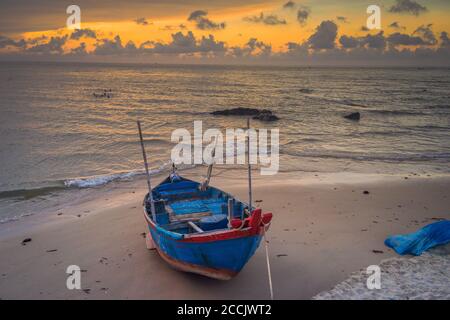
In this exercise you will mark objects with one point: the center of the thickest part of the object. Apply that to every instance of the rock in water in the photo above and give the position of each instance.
(266, 115)
(263, 115)
(353, 116)
(237, 112)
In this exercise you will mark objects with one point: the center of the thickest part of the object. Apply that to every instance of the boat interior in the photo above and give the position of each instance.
(182, 207)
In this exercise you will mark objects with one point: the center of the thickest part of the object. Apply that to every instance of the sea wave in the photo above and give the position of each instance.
(100, 180)
(439, 106)
(437, 156)
(346, 102)
(26, 194)
(95, 181)
(397, 112)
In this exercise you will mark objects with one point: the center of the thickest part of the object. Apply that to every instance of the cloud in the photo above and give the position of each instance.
(254, 44)
(342, 19)
(253, 48)
(197, 14)
(324, 37)
(303, 15)
(54, 46)
(426, 33)
(369, 41)
(396, 25)
(289, 5)
(445, 41)
(408, 6)
(202, 21)
(270, 19)
(108, 46)
(80, 50)
(20, 16)
(8, 42)
(184, 44)
(404, 40)
(173, 28)
(349, 42)
(37, 40)
(180, 44)
(142, 21)
(321, 48)
(423, 36)
(115, 47)
(377, 41)
(79, 33)
(209, 44)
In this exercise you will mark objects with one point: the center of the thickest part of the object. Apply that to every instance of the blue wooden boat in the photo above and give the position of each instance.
(203, 230)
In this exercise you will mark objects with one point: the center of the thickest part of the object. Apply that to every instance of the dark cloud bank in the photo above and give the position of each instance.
(408, 7)
(324, 47)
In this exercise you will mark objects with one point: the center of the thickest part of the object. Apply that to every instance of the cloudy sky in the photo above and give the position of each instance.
(312, 32)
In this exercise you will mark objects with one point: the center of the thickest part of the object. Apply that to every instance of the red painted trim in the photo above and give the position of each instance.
(220, 235)
(213, 236)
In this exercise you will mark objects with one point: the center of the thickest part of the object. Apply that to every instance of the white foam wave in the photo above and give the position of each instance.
(94, 181)
(99, 180)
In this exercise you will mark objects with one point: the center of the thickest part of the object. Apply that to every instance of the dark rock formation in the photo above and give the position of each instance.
(353, 116)
(266, 115)
(237, 112)
(263, 115)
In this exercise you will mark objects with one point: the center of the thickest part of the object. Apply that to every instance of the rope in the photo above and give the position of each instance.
(269, 274)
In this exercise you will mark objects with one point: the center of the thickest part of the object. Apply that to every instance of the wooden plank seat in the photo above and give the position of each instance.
(190, 216)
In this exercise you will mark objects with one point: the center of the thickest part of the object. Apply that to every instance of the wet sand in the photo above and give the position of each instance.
(325, 227)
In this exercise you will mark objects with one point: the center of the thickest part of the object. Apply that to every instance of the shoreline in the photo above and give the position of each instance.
(72, 200)
(324, 229)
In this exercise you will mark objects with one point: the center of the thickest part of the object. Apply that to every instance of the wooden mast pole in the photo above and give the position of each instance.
(149, 184)
(205, 183)
(249, 169)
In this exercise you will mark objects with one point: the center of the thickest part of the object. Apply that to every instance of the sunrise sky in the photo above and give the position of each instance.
(174, 31)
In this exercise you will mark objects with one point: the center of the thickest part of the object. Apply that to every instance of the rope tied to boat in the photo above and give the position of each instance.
(265, 227)
(260, 226)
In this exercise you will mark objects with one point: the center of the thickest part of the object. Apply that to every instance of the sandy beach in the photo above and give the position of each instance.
(346, 103)
(325, 228)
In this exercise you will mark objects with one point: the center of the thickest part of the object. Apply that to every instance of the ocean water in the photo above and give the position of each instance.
(56, 135)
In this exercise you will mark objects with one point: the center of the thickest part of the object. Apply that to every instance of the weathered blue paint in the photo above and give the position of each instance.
(219, 251)
(231, 254)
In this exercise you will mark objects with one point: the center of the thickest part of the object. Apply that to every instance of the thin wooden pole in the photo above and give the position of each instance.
(249, 169)
(269, 273)
(230, 211)
(149, 184)
(205, 183)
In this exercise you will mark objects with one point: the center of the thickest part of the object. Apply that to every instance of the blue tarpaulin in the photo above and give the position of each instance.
(434, 234)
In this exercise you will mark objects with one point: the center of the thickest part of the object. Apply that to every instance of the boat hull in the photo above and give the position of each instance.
(219, 255)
